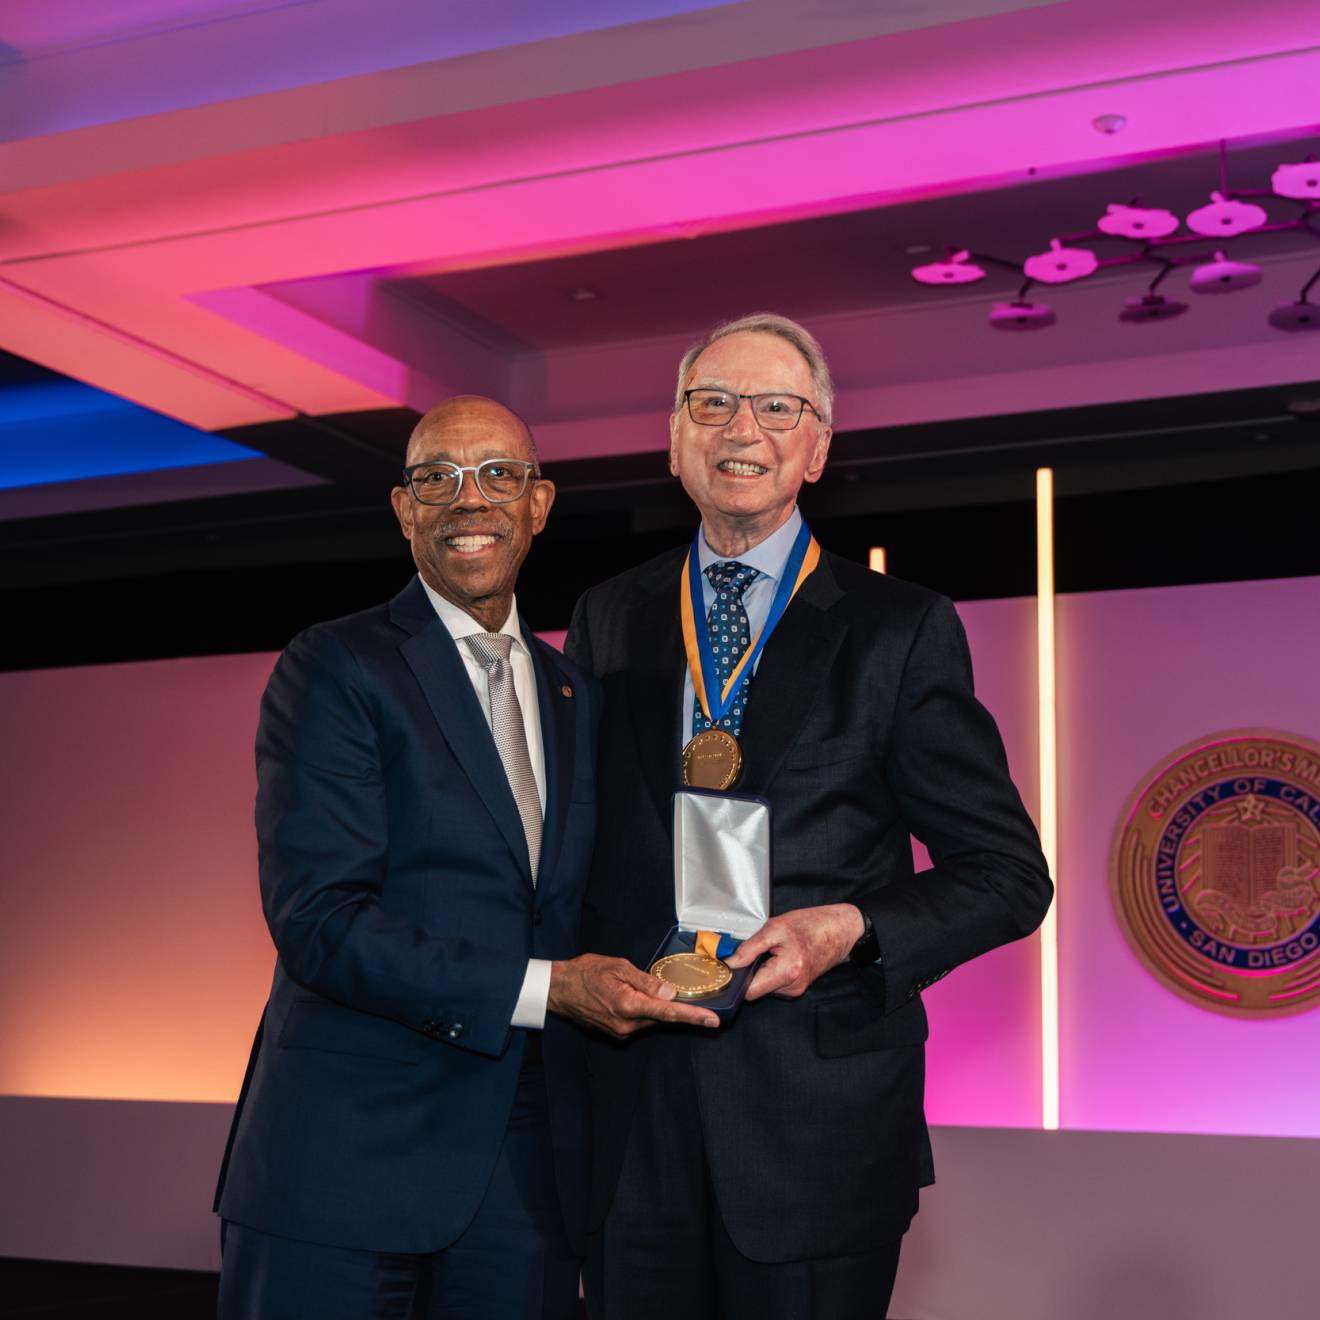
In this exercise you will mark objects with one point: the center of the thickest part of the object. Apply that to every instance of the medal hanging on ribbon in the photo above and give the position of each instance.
(713, 758)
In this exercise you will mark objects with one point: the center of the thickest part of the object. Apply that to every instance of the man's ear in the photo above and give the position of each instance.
(542, 497)
(821, 453)
(403, 510)
(673, 444)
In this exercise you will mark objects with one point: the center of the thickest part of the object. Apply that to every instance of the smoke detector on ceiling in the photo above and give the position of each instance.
(1109, 124)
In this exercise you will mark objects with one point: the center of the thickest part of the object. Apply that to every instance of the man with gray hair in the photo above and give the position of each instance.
(770, 1168)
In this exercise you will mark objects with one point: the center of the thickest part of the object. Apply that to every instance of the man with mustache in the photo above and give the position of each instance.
(409, 1138)
(771, 1168)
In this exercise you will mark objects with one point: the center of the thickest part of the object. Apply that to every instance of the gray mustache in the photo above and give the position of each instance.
(469, 529)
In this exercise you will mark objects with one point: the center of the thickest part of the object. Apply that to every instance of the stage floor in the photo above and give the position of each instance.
(57, 1290)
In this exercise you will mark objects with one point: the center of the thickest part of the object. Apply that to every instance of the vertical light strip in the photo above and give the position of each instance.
(1049, 796)
(877, 560)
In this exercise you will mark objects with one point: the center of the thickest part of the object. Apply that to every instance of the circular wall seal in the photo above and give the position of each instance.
(1215, 871)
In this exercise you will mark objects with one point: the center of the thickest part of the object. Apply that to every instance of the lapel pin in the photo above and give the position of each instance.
(566, 690)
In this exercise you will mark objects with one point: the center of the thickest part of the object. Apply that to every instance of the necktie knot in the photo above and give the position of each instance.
(732, 576)
(489, 648)
(726, 622)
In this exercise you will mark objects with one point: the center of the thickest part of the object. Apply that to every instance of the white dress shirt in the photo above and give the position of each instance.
(769, 558)
(530, 1009)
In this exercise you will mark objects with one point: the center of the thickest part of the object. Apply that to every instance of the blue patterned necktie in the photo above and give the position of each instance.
(730, 636)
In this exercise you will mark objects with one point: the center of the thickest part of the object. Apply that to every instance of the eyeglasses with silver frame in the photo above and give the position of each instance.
(500, 480)
(773, 412)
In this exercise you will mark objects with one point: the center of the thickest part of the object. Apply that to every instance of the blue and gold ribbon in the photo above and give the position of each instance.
(802, 560)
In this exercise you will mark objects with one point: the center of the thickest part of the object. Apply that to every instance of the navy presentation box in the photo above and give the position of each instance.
(721, 878)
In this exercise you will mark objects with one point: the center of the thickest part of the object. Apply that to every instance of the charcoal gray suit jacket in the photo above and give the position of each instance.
(861, 728)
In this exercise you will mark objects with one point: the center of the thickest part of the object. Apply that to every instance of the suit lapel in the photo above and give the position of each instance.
(558, 706)
(789, 678)
(431, 654)
(655, 688)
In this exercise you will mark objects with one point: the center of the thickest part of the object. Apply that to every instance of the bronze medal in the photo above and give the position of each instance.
(693, 975)
(712, 759)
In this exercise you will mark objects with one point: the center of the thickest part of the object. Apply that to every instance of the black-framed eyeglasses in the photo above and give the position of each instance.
(774, 412)
(500, 480)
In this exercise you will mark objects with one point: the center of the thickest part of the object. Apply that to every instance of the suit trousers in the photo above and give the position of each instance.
(664, 1249)
(512, 1262)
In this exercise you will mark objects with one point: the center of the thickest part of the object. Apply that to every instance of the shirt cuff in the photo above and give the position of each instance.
(529, 1011)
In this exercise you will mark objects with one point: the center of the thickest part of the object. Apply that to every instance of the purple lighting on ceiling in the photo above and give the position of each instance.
(196, 52)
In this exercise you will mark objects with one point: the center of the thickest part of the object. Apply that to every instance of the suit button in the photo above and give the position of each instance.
(455, 1030)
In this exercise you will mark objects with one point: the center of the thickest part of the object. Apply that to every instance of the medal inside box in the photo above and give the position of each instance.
(722, 868)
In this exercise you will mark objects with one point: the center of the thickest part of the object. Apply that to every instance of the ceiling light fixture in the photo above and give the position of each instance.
(1224, 276)
(1299, 315)
(1021, 316)
(1153, 231)
(956, 268)
(1149, 307)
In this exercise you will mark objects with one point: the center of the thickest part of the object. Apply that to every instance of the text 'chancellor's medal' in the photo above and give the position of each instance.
(713, 759)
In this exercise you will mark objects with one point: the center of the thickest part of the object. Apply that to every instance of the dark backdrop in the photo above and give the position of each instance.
(1218, 487)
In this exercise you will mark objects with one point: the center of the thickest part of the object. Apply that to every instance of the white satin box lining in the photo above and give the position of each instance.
(721, 862)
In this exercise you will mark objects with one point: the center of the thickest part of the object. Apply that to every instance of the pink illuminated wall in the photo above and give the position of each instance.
(983, 1056)
(133, 957)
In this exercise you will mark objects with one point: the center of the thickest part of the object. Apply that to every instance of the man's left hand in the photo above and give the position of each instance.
(802, 945)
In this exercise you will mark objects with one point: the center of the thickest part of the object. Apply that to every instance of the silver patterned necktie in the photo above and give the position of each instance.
(506, 724)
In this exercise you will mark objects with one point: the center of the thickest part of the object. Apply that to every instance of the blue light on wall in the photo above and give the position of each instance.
(59, 430)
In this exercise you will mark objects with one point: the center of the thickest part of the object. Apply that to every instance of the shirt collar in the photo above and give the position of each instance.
(768, 557)
(461, 624)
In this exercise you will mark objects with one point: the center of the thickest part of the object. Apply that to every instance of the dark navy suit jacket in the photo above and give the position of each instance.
(396, 884)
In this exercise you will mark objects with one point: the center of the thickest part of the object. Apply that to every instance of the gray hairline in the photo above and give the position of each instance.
(770, 323)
